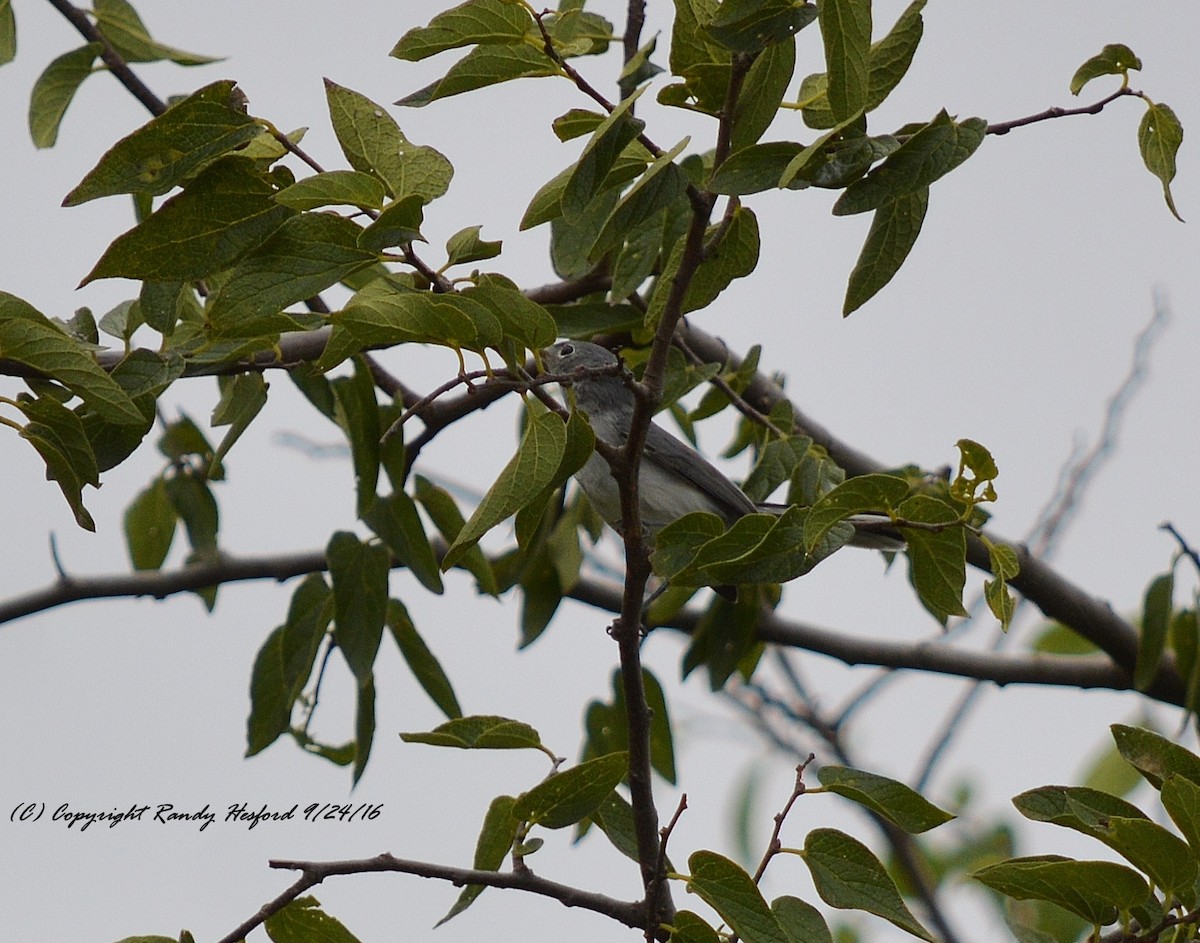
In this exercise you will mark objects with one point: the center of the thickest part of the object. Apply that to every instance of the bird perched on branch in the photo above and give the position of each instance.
(673, 478)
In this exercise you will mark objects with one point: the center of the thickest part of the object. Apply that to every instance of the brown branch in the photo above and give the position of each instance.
(631, 40)
(1003, 127)
(116, 65)
(314, 872)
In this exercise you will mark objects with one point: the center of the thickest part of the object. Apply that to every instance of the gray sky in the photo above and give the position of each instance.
(1010, 324)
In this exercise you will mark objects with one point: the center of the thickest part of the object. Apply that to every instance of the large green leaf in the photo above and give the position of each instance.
(395, 519)
(937, 559)
(421, 661)
(894, 230)
(150, 523)
(333, 187)
(54, 90)
(1095, 890)
(359, 572)
(303, 920)
(616, 131)
(1154, 756)
(59, 437)
(373, 143)
(1113, 59)
(223, 214)
(846, 32)
(848, 876)
(27, 336)
(122, 27)
(573, 794)
(172, 148)
(527, 473)
(731, 892)
(895, 801)
(357, 412)
(303, 257)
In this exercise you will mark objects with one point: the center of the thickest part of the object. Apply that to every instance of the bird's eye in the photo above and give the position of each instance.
(566, 349)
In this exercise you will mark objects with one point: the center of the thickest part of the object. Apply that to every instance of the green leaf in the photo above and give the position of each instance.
(242, 398)
(763, 90)
(398, 225)
(750, 26)
(395, 520)
(1159, 136)
(285, 661)
(846, 32)
(848, 876)
(801, 921)
(358, 415)
(480, 732)
(1152, 639)
(931, 153)
(701, 62)
(8, 32)
(302, 258)
(659, 188)
(449, 521)
(373, 143)
(894, 230)
(364, 726)
(937, 559)
(471, 23)
(59, 437)
(122, 27)
(223, 214)
(466, 246)
(27, 336)
(754, 169)
(893, 800)
(484, 66)
(172, 148)
(527, 473)
(564, 798)
(197, 508)
(1154, 756)
(862, 493)
(333, 188)
(734, 256)
(524, 321)
(1095, 890)
(1113, 59)
(303, 920)
(1156, 852)
(575, 123)
(732, 893)
(888, 61)
(617, 130)
(1181, 799)
(54, 90)
(687, 927)
(491, 848)
(421, 661)
(359, 573)
(150, 527)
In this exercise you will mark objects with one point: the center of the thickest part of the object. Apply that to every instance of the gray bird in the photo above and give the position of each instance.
(674, 479)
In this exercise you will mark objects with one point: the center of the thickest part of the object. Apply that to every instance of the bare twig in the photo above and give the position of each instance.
(1003, 127)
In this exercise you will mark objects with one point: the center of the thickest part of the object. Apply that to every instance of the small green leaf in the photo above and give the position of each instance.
(484, 66)
(1113, 59)
(480, 732)
(54, 90)
(687, 927)
(575, 123)
(750, 26)
(466, 246)
(1095, 890)
(476, 22)
(172, 148)
(732, 893)
(846, 32)
(150, 527)
(333, 188)
(421, 661)
(373, 143)
(801, 921)
(894, 230)
(1159, 136)
(530, 470)
(303, 920)
(848, 876)
(564, 798)
(1154, 756)
(358, 415)
(242, 398)
(197, 508)
(891, 799)
(224, 213)
(449, 521)
(359, 573)
(1152, 639)
(8, 32)
(59, 437)
(398, 225)
(491, 848)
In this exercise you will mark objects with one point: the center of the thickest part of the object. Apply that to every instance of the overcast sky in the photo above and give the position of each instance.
(1011, 323)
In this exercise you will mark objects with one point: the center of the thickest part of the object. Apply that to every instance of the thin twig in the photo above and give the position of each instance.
(1003, 127)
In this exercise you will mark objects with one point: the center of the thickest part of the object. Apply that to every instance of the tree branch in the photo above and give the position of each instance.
(314, 872)
(1003, 127)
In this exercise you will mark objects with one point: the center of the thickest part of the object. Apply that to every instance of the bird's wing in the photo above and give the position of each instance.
(683, 460)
